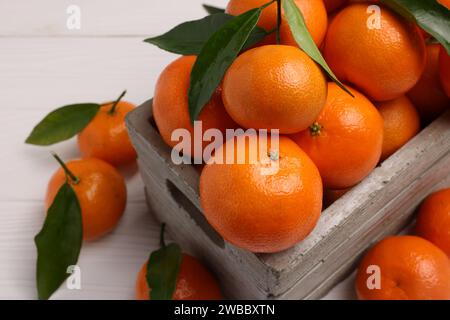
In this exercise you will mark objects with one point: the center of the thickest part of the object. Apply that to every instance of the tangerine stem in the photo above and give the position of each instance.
(69, 174)
(161, 236)
(315, 129)
(113, 108)
(278, 21)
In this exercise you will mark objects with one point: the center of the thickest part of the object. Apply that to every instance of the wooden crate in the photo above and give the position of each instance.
(380, 205)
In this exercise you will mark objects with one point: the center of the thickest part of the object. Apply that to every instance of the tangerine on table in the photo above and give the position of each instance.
(313, 12)
(101, 192)
(194, 282)
(255, 206)
(274, 87)
(106, 136)
(411, 268)
(401, 123)
(444, 70)
(170, 104)
(428, 95)
(384, 63)
(345, 141)
(433, 222)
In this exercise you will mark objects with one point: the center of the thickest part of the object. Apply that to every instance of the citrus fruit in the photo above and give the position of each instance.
(316, 20)
(274, 87)
(313, 12)
(171, 108)
(411, 268)
(401, 123)
(444, 70)
(445, 3)
(194, 282)
(101, 192)
(384, 63)
(433, 222)
(345, 140)
(106, 136)
(258, 206)
(428, 95)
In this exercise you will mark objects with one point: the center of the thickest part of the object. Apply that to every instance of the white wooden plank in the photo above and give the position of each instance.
(38, 75)
(47, 72)
(98, 17)
(109, 266)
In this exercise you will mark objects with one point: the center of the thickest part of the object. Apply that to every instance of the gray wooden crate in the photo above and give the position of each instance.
(379, 206)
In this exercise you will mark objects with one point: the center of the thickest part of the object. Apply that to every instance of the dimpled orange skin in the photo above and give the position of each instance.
(313, 12)
(101, 193)
(383, 63)
(170, 103)
(262, 212)
(348, 146)
(444, 67)
(428, 95)
(401, 124)
(433, 221)
(411, 268)
(194, 282)
(274, 87)
(106, 136)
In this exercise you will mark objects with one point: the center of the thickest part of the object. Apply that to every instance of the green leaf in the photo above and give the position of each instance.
(217, 55)
(303, 38)
(189, 38)
(62, 124)
(431, 16)
(212, 9)
(162, 271)
(59, 242)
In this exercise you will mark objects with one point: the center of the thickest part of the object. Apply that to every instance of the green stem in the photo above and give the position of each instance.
(69, 174)
(278, 21)
(113, 108)
(161, 236)
(315, 129)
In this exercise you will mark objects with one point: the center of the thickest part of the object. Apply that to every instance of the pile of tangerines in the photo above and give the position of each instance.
(399, 80)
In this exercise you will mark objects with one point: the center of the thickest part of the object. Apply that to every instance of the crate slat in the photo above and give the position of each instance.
(380, 205)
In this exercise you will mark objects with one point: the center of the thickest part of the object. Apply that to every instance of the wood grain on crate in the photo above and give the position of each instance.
(382, 204)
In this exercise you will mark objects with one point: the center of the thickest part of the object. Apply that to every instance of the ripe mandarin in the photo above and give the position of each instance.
(258, 209)
(428, 95)
(384, 63)
(194, 282)
(170, 104)
(313, 12)
(346, 139)
(106, 136)
(411, 268)
(433, 222)
(401, 123)
(444, 70)
(274, 87)
(101, 192)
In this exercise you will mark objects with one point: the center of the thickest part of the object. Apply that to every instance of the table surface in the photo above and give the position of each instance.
(44, 65)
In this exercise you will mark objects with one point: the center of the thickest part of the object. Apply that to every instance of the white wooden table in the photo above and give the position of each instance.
(44, 65)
